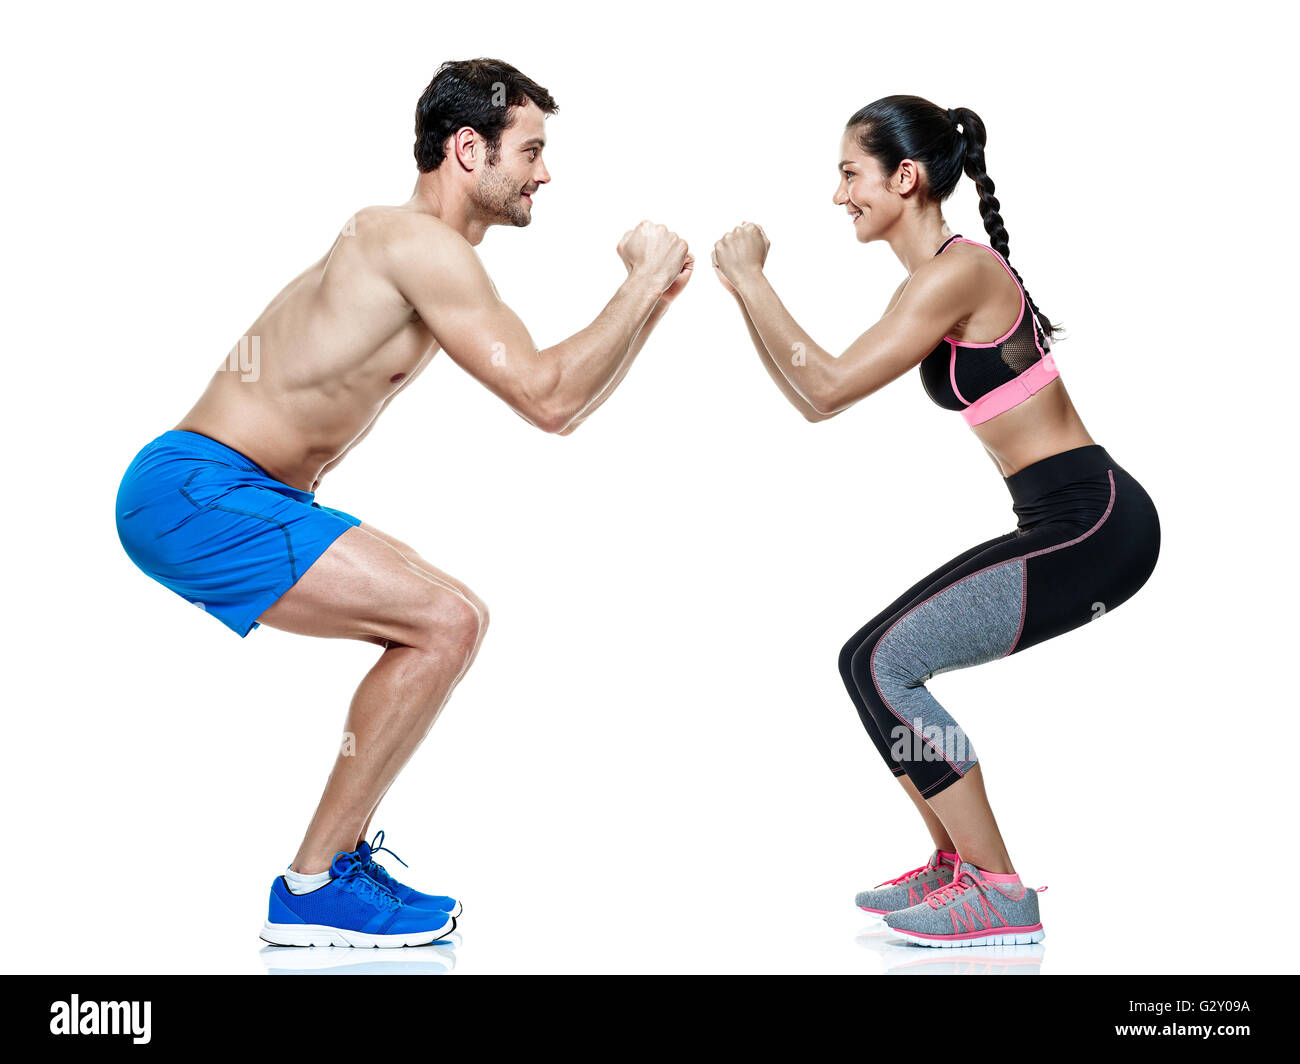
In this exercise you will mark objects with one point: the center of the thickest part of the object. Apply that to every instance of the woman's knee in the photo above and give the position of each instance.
(883, 679)
(860, 665)
(850, 650)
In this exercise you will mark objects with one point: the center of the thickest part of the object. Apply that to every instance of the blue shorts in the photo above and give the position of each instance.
(217, 529)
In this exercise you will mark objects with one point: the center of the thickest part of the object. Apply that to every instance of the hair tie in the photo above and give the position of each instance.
(952, 116)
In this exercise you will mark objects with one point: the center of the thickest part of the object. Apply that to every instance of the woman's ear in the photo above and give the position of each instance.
(907, 177)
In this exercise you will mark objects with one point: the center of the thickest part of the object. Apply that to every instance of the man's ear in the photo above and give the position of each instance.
(468, 148)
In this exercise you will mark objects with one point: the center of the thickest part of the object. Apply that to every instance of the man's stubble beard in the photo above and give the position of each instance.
(498, 197)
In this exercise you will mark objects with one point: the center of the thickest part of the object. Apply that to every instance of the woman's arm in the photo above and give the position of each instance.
(765, 357)
(925, 309)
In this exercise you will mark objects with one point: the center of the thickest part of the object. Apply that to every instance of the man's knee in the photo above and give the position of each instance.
(481, 606)
(452, 623)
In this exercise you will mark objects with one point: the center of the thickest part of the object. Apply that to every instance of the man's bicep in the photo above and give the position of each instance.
(481, 335)
(469, 321)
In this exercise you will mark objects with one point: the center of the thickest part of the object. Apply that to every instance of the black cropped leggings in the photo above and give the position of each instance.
(1087, 537)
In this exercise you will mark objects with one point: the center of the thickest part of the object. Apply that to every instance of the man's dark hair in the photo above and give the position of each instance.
(478, 93)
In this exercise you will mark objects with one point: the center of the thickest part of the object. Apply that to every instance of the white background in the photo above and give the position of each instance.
(653, 765)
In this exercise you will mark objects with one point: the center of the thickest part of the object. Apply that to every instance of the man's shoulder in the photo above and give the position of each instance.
(419, 253)
(415, 240)
(402, 228)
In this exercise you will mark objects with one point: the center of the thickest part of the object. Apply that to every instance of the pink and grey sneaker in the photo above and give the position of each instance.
(911, 887)
(977, 908)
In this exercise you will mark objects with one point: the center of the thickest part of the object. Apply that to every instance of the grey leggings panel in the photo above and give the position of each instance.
(1087, 538)
(973, 621)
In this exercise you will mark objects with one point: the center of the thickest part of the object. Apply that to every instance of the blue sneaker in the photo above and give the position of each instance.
(406, 895)
(350, 910)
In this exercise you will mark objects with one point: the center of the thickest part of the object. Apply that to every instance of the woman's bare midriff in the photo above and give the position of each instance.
(1043, 425)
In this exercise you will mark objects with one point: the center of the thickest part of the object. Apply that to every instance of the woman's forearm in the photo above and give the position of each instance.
(778, 378)
(806, 367)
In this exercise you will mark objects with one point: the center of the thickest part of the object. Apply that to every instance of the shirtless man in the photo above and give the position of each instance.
(221, 508)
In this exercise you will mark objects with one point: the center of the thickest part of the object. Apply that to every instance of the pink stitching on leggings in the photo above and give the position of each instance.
(876, 649)
(1023, 559)
(942, 780)
(1024, 602)
(1079, 539)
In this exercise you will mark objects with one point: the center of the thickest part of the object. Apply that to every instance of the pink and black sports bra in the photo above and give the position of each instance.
(985, 380)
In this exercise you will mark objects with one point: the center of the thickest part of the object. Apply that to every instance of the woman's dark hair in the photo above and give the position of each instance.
(895, 128)
(478, 93)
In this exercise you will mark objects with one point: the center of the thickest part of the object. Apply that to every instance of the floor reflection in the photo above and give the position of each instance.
(438, 958)
(901, 957)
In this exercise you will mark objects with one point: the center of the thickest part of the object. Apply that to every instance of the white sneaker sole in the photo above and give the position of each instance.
(1018, 938)
(323, 935)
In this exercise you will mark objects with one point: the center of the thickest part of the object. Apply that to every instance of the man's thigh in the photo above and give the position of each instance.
(361, 587)
(411, 555)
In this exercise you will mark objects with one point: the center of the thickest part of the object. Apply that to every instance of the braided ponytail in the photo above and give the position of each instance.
(973, 136)
(895, 128)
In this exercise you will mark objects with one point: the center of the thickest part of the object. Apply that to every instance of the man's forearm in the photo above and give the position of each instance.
(634, 349)
(588, 362)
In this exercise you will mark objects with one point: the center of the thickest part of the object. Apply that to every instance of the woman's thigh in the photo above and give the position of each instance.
(918, 591)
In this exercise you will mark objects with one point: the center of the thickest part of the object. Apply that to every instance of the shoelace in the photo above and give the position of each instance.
(957, 887)
(953, 890)
(901, 879)
(353, 878)
(375, 868)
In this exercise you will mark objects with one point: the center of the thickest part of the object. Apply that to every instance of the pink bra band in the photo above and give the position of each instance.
(1005, 396)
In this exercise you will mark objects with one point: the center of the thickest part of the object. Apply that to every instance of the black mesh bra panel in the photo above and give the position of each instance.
(1022, 349)
(979, 371)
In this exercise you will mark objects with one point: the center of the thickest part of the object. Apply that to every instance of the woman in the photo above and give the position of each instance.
(1086, 536)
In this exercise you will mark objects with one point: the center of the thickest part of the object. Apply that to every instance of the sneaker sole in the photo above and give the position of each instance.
(323, 935)
(1023, 936)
